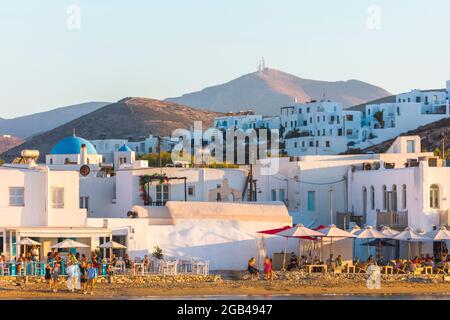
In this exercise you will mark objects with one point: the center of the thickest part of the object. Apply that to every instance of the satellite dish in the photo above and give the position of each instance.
(85, 170)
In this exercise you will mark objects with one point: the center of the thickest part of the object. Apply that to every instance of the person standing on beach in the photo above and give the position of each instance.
(55, 276)
(91, 276)
(268, 272)
(83, 276)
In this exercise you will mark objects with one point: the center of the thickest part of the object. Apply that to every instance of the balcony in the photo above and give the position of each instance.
(344, 219)
(397, 220)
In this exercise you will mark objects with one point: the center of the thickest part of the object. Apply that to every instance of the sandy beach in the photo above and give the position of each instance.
(316, 286)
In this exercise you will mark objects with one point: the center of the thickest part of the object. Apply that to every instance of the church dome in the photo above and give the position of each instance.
(72, 145)
(125, 148)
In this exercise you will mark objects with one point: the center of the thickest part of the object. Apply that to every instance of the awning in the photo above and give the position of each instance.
(61, 232)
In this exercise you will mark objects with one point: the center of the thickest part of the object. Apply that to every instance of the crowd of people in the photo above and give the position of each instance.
(81, 271)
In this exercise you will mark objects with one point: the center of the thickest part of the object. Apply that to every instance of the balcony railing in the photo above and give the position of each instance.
(344, 219)
(394, 219)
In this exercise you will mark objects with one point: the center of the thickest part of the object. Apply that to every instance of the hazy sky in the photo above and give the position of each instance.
(166, 48)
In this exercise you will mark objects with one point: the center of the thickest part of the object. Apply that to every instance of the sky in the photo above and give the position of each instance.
(57, 52)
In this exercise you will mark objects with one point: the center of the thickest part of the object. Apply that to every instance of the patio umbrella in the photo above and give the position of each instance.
(441, 235)
(377, 242)
(28, 242)
(69, 244)
(388, 232)
(112, 245)
(355, 229)
(297, 231)
(370, 233)
(334, 232)
(410, 235)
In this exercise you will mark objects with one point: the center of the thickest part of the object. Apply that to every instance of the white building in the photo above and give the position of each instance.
(412, 110)
(315, 188)
(42, 204)
(413, 194)
(108, 147)
(322, 127)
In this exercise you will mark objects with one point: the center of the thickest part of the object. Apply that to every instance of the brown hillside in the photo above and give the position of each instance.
(430, 134)
(128, 118)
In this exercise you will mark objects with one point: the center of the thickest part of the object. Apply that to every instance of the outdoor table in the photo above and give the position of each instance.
(353, 268)
(324, 267)
(428, 268)
(385, 269)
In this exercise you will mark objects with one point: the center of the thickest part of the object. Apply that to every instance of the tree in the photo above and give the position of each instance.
(438, 153)
(153, 158)
(2, 162)
(158, 253)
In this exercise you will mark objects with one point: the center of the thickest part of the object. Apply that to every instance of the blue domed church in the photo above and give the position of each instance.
(74, 152)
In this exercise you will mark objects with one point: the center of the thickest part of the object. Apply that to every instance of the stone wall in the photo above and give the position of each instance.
(124, 279)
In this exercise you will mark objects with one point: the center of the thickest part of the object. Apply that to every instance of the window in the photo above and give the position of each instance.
(372, 198)
(327, 144)
(349, 132)
(162, 193)
(404, 202)
(349, 117)
(84, 202)
(410, 146)
(282, 194)
(340, 132)
(191, 191)
(16, 197)
(57, 198)
(274, 195)
(150, 150)
(364, 192)
(311, 200)
(311, 144)
(295, 145)
(435, 197)
(394, 198)
(384, 194)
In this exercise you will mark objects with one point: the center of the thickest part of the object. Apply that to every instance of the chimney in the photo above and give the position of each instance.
(83, 154)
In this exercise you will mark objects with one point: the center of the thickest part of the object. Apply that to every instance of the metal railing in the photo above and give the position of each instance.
(344, 219)
(393, 219)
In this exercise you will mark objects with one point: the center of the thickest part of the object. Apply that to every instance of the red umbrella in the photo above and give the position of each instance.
(274, 231)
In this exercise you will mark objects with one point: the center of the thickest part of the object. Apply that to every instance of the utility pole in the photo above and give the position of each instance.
(443, 144)
(159, 152)
(331, 204)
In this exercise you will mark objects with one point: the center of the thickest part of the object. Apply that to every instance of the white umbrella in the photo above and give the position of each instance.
(68, 244)
(370, 233)
(410, 235)
(388, 232)
(28, 242)
(296, 232)
(299, 231)
(441, 235)
(355, 229)
(112, 245)
(334, 232)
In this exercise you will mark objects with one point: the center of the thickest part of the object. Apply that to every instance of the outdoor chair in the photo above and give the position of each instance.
(439, 270)
(418, 270)
(4, 269)
(362, 268)
(401, 270)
